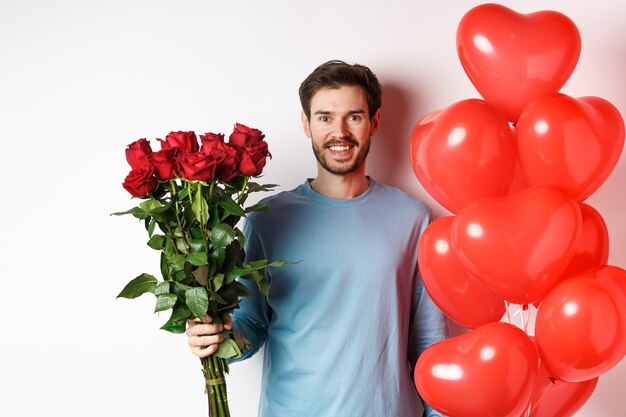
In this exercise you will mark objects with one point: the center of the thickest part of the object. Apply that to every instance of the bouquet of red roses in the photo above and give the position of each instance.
(193, 197)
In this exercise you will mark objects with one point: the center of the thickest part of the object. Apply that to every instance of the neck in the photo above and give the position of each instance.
(340, 186)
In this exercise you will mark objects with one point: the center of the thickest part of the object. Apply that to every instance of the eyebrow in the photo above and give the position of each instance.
(351, 112)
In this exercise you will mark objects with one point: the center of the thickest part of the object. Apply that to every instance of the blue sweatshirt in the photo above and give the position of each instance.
(343, 328)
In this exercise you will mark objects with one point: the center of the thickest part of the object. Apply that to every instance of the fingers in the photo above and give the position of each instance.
(203, 353)
(229, 323)
(204, 346)
(204, 338)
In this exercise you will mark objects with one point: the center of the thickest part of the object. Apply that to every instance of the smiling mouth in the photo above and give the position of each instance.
(340, 146)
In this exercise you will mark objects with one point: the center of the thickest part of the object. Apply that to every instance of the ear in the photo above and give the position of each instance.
(374, 123)
(305, 125)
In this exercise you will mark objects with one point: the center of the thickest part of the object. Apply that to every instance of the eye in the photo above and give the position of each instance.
(324, 119)
(354, 118)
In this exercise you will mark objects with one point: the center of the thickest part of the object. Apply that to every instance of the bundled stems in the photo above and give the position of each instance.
(213, 371)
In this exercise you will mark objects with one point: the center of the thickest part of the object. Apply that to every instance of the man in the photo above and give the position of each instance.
(343, 327)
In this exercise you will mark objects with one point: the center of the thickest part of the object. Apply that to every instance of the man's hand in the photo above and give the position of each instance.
(203, 337)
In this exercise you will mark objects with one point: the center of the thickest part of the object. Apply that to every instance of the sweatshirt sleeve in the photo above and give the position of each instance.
(428, 325)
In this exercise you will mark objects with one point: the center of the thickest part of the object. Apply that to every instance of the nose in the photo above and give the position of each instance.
(340, 129)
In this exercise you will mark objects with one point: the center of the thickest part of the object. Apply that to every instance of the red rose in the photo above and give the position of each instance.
(244, 135)
(163, 162)
(181, 142)
(253, 158)
(138, 154)
(252, 149)
(214, 146)
(196, 166)
(211, 137)
(140, 182)
(228, 166)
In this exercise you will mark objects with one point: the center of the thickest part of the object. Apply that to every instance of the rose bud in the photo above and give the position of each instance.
(181, 142)
(140, 182)
(138, 154)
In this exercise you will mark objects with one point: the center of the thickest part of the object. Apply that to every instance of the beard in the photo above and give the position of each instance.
(344, 170)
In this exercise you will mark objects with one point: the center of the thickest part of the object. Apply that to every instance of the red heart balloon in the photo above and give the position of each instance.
(555, 398)
(521, 244)
(572, 144)
(615, 277)
(581, 329)
(463, 153)
(455, 290)
(611, 274)
(512, 59)
(593, 247)
(488, 372)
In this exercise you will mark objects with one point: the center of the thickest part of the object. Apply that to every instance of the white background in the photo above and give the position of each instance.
(79, 80)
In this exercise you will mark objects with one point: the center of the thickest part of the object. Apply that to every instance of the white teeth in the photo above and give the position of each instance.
(339, 148)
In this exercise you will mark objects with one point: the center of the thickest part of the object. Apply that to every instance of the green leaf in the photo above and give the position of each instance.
(264, 287)
(177, 261)
(165, 270)
(138, 212)
(201, 274)
(254, 187)
(200, 209)
(161, 213)
(228, 349)
(142, 284)
(217, 280)
(239, 288)
(197, 300)
(150, 205)
(182, 289)
(170, 248)
(188, 216)
(253, 275)
(197, 245)
(162, 288)
(257, 207)
(175, 326)
(198, 258)
(222, 235)
(157, 242)
(218, 256)
(281, 263)
(180, 312)
(180, 245)
(216, 297)
(150, 227)
(164, 302)
(231, 207)
(257, 264)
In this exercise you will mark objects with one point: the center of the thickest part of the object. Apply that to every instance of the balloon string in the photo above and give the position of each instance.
(526, 310)
(508, 313)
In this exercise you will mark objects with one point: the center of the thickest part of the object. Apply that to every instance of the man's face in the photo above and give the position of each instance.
(340, 128)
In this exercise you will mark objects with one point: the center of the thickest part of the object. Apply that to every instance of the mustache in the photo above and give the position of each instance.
(334, 142)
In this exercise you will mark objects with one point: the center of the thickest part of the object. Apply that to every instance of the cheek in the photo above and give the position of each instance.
(363, 132)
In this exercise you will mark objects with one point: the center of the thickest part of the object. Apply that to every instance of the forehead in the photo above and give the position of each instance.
(347, 97)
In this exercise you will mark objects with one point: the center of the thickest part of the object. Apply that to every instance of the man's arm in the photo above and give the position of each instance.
(429, 326)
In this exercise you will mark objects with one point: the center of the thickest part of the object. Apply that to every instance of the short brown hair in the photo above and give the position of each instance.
(335, 74)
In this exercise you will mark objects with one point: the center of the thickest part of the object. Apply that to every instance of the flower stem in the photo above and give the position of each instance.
(177, 213)
(243, 190)
(215, 386)
(189, 192)
(211, 193)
